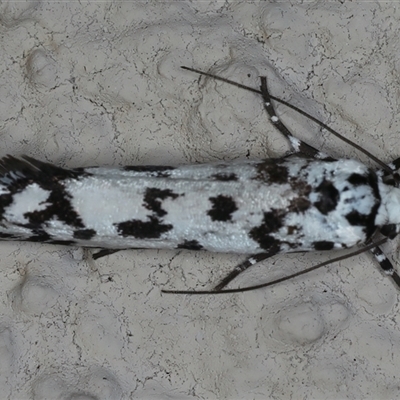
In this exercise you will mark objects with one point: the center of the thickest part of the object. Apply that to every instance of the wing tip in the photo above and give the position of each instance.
(14, 168)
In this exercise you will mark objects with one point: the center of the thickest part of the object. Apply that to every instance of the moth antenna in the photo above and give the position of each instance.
(300, 111)
(254, 259)
(394, 276)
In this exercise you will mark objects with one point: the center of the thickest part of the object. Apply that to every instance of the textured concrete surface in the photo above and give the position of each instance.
(99, 84)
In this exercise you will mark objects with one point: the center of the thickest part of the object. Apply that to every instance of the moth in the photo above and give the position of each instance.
(305, 201)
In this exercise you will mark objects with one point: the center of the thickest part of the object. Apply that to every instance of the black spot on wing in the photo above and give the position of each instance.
(301, 202)
(367, 221)
(261, 234)
(222, 208)
(151, 229)
(190, 245)
(373, 182)
(389, 230)
(323, 245)
(357, 179)
(328, 197)
(355, 218)
(268, 243)
(271, 171)
(224, 177)
(272, 221)
(84, 234)
(153, 198)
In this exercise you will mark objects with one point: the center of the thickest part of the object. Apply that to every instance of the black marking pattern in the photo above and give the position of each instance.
(18, 174)
(271, 223)
(270, 206)
(323, 245)
(328, 197)
(153, 198)
(222, 208)
(153, 227)
(271, 171)
(150, 229)
(190, 245)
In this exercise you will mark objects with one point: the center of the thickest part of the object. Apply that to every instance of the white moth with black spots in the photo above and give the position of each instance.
(303, 202)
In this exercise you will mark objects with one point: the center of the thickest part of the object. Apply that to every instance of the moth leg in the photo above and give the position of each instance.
(298, 145)
(103, 253)
(107, 252)
(395, 164)
(283, 279)
(242, 267)
(386, 265)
